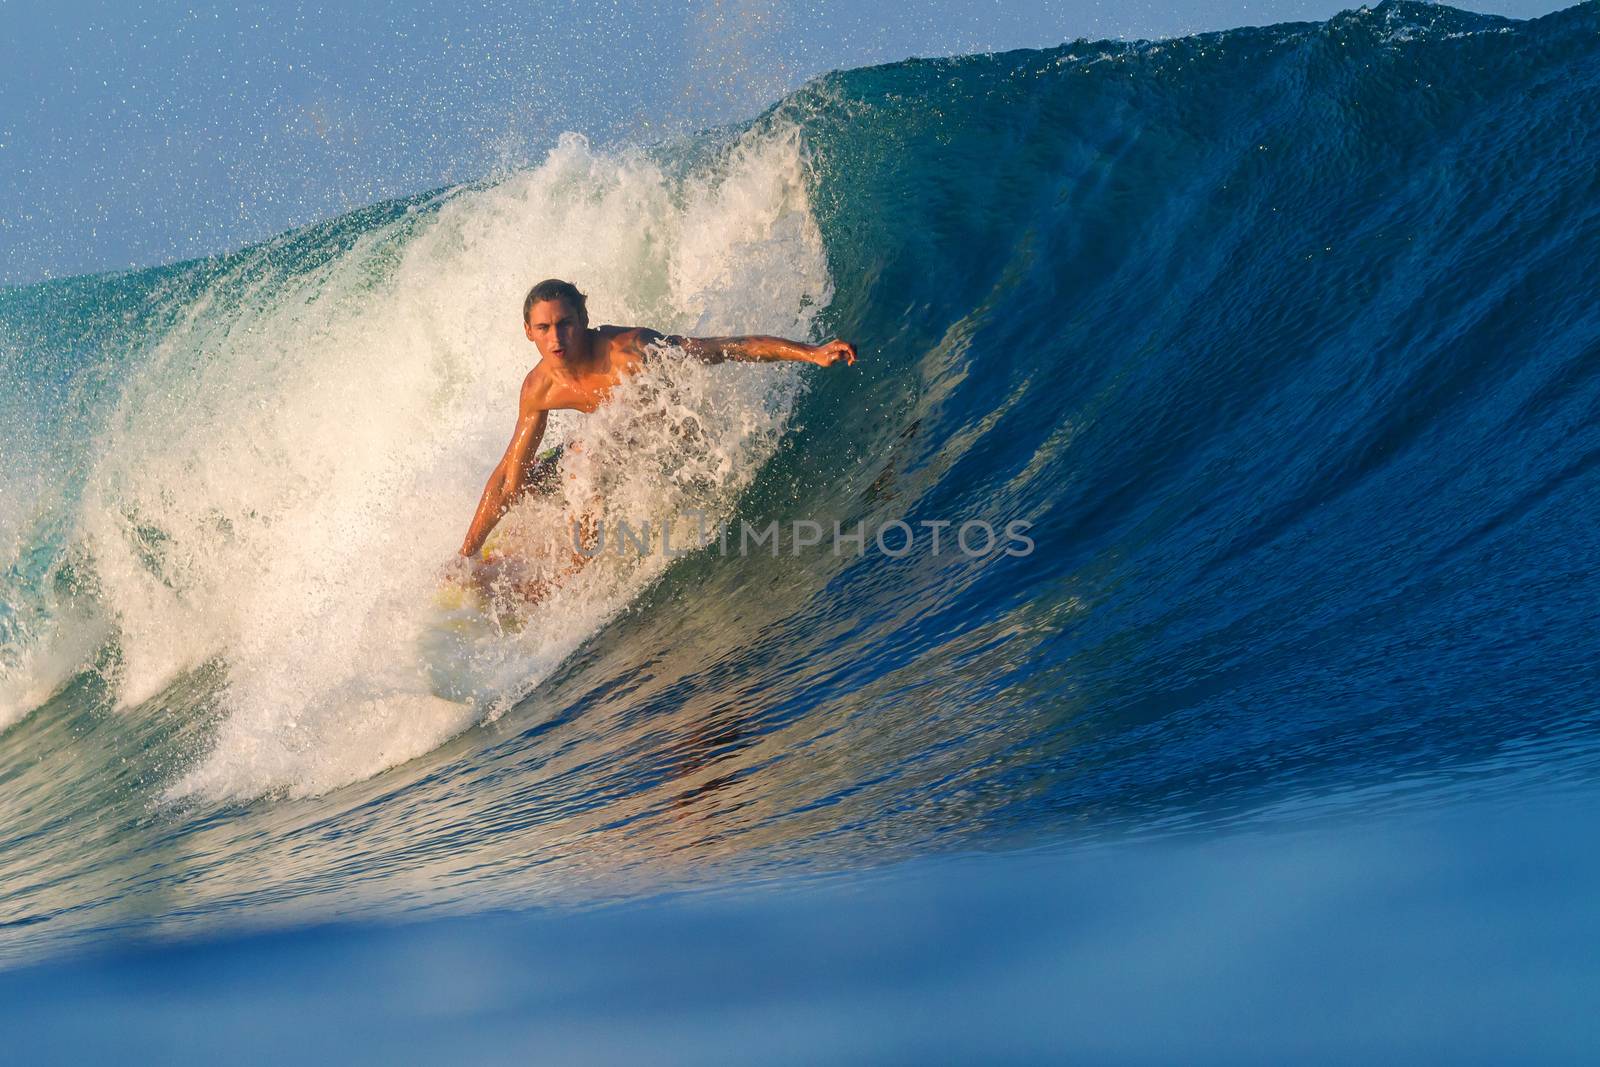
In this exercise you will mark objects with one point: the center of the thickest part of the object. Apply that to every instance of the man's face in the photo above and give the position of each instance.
(558, 329)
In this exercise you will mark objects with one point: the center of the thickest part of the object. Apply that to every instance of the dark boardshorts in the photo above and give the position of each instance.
(545, 477)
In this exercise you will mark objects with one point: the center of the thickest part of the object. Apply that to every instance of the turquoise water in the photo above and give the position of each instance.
(1283, 341)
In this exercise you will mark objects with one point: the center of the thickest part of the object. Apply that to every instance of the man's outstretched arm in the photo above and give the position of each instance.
(756, 349)
(506, 481)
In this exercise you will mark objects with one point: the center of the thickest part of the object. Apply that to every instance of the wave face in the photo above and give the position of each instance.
(1282, 340)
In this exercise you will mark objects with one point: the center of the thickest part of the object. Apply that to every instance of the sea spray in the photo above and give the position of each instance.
(1282, 339)
(283, 477)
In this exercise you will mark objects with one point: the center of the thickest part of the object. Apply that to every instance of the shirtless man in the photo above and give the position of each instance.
(579, 367)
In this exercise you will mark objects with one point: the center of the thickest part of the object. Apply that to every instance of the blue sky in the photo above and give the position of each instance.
(133, 134)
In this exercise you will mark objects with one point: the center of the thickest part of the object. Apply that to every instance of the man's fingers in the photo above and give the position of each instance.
(835, 351)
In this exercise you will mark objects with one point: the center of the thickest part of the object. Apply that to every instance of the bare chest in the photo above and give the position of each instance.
(583, 392)
(587, 390)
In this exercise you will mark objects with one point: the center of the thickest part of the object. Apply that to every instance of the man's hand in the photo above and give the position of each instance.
(835, 351)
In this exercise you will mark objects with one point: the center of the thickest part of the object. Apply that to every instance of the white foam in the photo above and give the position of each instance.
(311, 453)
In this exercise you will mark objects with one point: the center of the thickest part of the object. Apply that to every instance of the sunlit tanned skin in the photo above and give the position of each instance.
(577, 370)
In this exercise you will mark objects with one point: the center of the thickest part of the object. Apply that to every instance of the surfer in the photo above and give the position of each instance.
(578, 368)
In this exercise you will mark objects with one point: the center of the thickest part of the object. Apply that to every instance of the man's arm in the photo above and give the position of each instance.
(757, 349)
(506, 481)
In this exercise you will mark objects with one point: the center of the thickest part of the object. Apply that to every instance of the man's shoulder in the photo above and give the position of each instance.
(633, 338)
(536, 386)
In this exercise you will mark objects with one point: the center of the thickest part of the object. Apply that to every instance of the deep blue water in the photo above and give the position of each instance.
(1283, 340)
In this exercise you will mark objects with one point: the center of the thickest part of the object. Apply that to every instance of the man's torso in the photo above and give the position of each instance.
(616, 353)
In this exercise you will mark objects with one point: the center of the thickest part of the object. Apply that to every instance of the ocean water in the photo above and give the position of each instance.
(1282, 343)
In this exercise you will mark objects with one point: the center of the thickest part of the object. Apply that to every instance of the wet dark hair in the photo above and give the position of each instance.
(555, 289)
